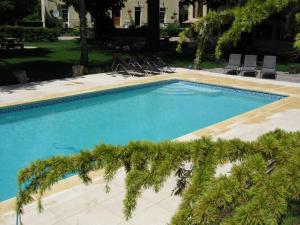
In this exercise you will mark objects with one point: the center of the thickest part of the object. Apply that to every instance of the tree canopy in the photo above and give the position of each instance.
(99, 10)
(12, 11)
(262, 188)
(297, 38)
(215, 4)
(230, 23)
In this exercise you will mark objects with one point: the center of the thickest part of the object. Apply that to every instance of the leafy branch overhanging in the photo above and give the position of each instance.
(258, 190)
(229, 24)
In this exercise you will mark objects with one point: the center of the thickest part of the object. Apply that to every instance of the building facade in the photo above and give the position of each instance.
(59, 10)
(134, 13)
(171, 11)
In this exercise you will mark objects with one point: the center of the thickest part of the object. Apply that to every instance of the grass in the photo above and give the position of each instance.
(54, 60)
(49, 60)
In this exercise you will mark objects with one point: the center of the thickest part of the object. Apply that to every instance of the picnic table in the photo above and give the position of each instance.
(11, 43)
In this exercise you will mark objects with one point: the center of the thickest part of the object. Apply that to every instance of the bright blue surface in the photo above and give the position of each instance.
(158, 112)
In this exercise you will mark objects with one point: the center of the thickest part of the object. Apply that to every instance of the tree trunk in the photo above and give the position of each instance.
(153, 25)
(200, 8)
(84, 57)
(103, 25)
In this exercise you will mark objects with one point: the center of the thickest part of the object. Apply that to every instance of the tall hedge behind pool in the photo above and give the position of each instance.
(30, 34)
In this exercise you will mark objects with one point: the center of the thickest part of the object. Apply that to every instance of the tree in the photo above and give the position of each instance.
(297, 38)
(99, 10)
(11, 11)
(80, 6)
(262, 189)
(214, 4)
(229, 24)
(84, 57)
(153, 33)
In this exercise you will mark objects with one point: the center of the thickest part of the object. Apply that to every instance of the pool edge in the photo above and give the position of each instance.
(290, 98)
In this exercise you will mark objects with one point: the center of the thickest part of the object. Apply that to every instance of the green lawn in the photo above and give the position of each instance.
(49, 61)
(54, 60)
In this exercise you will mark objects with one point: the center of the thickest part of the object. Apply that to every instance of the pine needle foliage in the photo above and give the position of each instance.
(297, 38)
(259, 189)
(229, 24)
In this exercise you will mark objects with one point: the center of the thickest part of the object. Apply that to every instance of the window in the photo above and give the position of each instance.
(65, 12)
(183, 13)
(162, 15)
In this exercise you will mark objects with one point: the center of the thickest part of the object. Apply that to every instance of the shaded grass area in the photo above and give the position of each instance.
(54, 60)
(48, 61)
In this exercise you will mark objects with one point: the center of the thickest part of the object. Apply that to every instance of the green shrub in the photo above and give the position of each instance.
(75, 31)
(163, 31)
(30, 34)
(31, 24)
(171, 29)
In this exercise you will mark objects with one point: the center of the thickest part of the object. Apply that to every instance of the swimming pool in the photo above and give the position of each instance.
(157, 111)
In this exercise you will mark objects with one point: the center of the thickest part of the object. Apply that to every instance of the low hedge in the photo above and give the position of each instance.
(31, 24)
(31, 34)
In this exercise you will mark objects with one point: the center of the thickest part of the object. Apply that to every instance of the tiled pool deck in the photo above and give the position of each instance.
(71, 203)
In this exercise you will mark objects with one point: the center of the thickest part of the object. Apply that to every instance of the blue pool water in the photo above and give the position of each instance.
(155, 112)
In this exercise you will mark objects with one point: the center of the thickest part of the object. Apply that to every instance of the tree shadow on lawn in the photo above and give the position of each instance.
(25, 53)
(47, 70)
(36, 71)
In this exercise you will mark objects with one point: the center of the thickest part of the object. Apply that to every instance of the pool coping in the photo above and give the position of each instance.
(262, 113)
(85, 95)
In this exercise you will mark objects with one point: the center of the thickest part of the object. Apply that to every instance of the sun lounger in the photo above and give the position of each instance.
(269, 67)
(147, 65)
(121, 66)
(234, 64)
(250, 65)
(161, 65)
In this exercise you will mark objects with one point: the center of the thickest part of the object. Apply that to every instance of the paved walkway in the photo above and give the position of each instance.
(281, 76)
(90, 205)
(34, 90)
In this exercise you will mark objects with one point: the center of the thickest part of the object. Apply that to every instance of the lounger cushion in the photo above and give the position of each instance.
(231, 67)
(249, 69)
(268, 71)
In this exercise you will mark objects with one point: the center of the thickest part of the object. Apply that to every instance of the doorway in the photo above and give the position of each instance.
(116, 13)
(137, 16)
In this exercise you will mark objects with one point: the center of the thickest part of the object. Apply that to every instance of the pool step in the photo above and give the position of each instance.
(183, 89)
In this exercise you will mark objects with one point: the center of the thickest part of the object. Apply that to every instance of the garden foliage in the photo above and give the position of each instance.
(261, 189)
(229, 24)
(171, 30)
(31, 34)
(297, 39)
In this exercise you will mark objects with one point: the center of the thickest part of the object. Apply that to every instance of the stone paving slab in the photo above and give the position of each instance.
(281, 76)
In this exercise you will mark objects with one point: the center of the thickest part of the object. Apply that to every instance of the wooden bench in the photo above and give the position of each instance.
(8, 43)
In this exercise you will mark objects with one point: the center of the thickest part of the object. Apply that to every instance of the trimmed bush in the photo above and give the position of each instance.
(31, 34)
